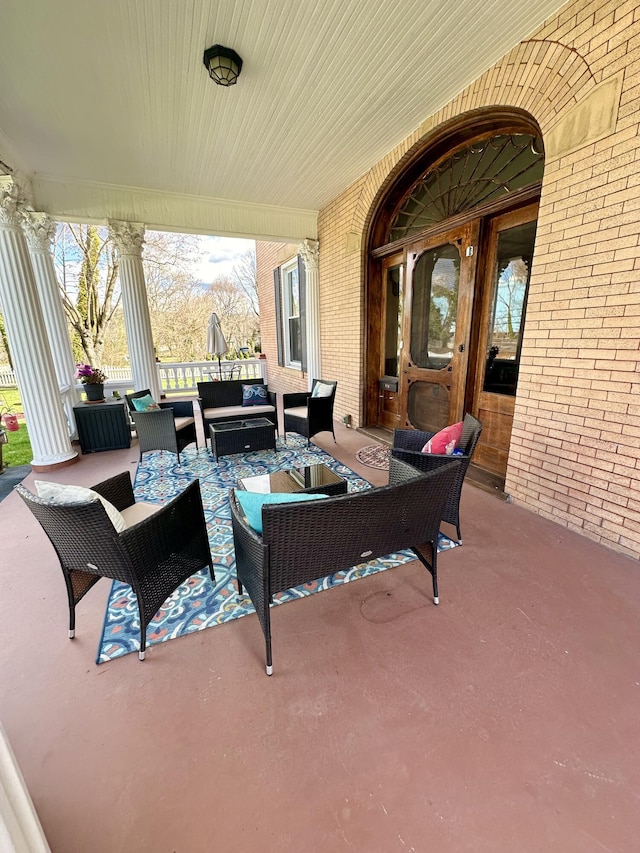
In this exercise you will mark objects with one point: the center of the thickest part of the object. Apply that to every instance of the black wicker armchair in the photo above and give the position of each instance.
(309, 415)
(154, 556)
(301, 542)
(171, 428)
(408, 444)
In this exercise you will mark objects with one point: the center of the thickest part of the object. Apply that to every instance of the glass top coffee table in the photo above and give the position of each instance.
(308, 478)
(242, 436)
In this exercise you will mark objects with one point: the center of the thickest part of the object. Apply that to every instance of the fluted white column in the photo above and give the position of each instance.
(308, 251)
(40, 230)
(129, 239)
(27, 336)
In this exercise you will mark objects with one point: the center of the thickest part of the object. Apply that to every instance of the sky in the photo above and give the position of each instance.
(218, 256)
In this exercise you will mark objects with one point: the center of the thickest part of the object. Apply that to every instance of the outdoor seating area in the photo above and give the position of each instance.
(507, 673)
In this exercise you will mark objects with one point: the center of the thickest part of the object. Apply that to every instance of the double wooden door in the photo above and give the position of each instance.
(453, 316)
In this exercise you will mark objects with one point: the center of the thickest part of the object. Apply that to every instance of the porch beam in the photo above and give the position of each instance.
(94, 202)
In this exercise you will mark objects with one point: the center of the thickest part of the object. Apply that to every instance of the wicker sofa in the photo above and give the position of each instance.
(301, 542)
(222, 401)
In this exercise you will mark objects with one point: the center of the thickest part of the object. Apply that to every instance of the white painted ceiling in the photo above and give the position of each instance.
(115, 91)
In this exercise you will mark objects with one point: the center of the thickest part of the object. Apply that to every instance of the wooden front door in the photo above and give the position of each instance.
(503, 282)
(452, 318)
(436, 328)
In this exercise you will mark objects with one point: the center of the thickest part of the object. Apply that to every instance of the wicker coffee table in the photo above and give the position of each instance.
(309, 478)
(242, 436)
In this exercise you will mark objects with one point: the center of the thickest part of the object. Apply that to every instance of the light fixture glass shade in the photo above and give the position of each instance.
(223, 64)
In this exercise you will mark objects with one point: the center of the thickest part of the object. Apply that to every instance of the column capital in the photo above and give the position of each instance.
(39, 229)
(309, 251)
(128, 237)
(13, 200)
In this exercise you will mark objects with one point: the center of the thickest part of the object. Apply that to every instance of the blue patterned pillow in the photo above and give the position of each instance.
(145, 404)
(254, 395)
(252, 503)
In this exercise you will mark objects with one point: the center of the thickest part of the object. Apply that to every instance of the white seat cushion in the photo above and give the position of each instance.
(240, 412)
(138, 512)
(181, 423)
(297, 411)
(59, 493)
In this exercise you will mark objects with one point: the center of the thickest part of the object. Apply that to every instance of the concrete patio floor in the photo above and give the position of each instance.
(505, 719)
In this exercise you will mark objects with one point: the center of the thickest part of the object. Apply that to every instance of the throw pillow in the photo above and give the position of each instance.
(444, 441)
(252, 503)
(145, 404)
(322, 389)
(254, 395)
(58, 493)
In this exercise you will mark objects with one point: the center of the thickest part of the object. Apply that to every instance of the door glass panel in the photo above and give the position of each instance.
(504, 341)
(393, 319)
(436, 278)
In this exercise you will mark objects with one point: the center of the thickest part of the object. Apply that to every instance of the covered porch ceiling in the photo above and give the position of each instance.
(108, 107)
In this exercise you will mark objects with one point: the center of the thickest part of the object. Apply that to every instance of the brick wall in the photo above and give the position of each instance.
(575, 451)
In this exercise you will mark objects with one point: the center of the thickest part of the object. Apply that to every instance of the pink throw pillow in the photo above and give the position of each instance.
(444, 441)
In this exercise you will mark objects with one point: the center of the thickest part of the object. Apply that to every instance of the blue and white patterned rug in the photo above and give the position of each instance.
(197, 603)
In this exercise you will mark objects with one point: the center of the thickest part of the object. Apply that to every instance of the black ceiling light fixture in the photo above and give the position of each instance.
(223, 64)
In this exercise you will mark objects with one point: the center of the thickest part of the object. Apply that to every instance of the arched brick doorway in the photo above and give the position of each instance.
(450, 249)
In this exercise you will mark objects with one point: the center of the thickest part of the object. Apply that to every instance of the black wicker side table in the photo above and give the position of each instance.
(102, 426)
(308, 479)
(242, 436)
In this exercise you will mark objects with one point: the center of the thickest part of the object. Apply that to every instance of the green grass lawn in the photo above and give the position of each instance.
(18, 449)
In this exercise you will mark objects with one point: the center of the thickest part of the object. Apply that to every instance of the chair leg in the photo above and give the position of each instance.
(459, 534)
(267, 637)
(72, 622)
(269, 666)
(433, 568)
(143, 642)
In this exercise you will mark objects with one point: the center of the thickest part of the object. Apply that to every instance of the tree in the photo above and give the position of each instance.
(235, 311)
(245, 276)
(88, 273)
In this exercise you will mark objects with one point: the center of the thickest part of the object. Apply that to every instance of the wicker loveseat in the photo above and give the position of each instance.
(222, 401)
(301, 542)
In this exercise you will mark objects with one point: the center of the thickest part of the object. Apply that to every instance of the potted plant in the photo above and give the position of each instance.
(93, 380)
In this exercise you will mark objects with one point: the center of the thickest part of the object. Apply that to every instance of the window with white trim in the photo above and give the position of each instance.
(291, 325)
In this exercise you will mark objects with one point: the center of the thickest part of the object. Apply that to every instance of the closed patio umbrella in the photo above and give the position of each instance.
(216, 343)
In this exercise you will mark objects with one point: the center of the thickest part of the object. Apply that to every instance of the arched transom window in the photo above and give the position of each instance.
(481, 172)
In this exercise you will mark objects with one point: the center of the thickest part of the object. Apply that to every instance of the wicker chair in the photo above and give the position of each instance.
(408, 444)
(154, 556)
(301, 542)
(309, 415)
(171, 428)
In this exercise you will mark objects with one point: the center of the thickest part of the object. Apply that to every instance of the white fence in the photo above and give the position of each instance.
(174, 376)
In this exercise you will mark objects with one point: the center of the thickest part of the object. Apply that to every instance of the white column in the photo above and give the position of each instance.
(40, 230)
(27, 335)
(129, 239)
(308, 250)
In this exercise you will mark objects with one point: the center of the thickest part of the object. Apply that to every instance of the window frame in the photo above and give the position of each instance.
(287, 270)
